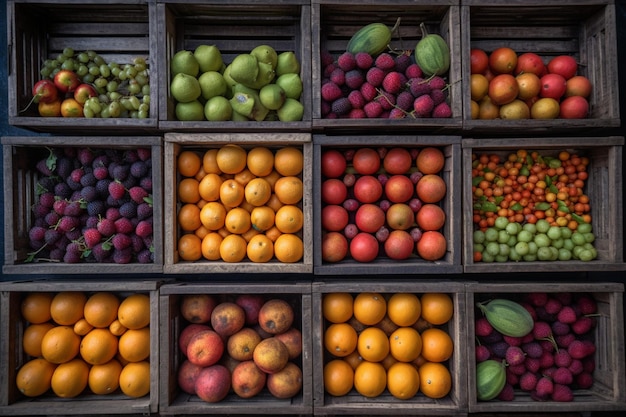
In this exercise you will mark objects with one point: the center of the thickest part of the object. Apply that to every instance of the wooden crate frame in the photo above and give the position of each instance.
(12, 356)
(585, 29)
(353, 403)
(607, 393)
(176, 142)
(125, 30)
(605, 177)
(334, 22)
(234, 29)
(173, 401)
(450, 263)
(20, 178)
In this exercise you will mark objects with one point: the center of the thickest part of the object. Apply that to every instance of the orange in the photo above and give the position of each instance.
(213, 215)
(373, 344)
(475, 108)
(101, 309)
(82, 327)
(188, 191)
(257, 192)
(188, 163)
(430, 160)
(52, 109)
(529, 85)
(388, 361)
(135, 379)
(34, 377)
(189, 247)
(67, 307)
(98, 346)
(503, 89)
(211, 246)
(105, 379)
(260, 161)
(370, 379)
(35, 307)
(134, 344)
(288, 248)
(405, 344)
(340, 339)
(232, 193)
(231, 158)
(338, 377)
(209, 187)
(117, 328)
(262, 218)
(70, 379)
(189, 217)
(252, 232)
(134, 311)
(353, 359)
(272, 178)
(288, 189)
(403, 380)
(33, 334)
(260, 248)
(289, 219)
(237, 221)
(274, 203)
(233, 248)
(435, 380)
(503, 60)
(479, 86)
(437, 308)
(200, 174)
(71, 108)
(288, 161)
(209, 162)
(337, 306)
(273, 233)
(437, 345)
(201, 231)
(369, 308)
(244, 177)
(404, 308)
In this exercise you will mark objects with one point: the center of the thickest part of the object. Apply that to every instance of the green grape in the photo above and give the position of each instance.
(113, 64)
(104, 99)
(88, 113)
(142, 114)
(130, 71)
(134, 87)
(135, 103)
(95, 70)
(55, 71)
(134, 114)
(45, 72)
(105, 113)
(115, 109)
(145, 90)
(52, 63)
(91, 54)
(141, 79)
(68, 52)
(139, 61)
(112, 86)
(115, 71)
(125, 102)
(101, 82)
(105, 70)
(114, 95)
(82, 70)
(146, 99)
(94, 104)
(122, 76)
(98, 60)
(68, 65)
(61, 58)
(88, 78)
(144, 107)
(83, 57)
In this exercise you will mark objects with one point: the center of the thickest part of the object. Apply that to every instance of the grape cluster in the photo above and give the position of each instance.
(93, 205)
(123, 89)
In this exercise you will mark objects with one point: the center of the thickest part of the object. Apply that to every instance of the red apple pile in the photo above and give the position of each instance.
(240, 344)
(382, 202)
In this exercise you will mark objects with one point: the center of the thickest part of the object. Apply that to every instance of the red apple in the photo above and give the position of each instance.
(188, 333)
(247, 379)
(66, 81)
(399, 245)
(187, 375)
(564, 65)
(334, 218)
(334, 191)
(333, 163)
(553, 85)
(367, 189)
(197, 308)
(399, 188)
(530, 62)
(251, 304)
(292, 338)
(227, 318)
(83, 92)
(369, 218)
(213, 383)
(205, 348)
(364, 247)
(45, 91)
(334, 247)
(574, 107)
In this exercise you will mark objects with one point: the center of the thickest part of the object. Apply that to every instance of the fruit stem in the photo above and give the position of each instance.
(424, 31)
(397, 25)
(35, 99)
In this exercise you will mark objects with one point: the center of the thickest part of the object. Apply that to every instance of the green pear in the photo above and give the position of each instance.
(272, 96)
(258, 111)
(265, 54)
(266, 75)
(218, 109)
(244, 69)
(292, 85)
(242, 103)
(184, 62)
(287, 64)
(212, 84)
(191, 111)
(237, 117)
(185, 88)
(209, 58)
(291, 111)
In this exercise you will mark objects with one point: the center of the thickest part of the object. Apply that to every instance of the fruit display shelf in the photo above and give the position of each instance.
(583, 29)
(174, 401)
(353, 403)
(13, 357)
(234, 29)
(42, 31)
(33, 167)
(607, 336)
(604, 178)
(449, 263)
(335, 22)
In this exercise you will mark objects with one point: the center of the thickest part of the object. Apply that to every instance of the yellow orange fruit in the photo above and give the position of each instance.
(134, 344)
(337, 307)
(60, 344)
(70, 378)
(404, 308)
(373, 344)
(33, 335)
(211, 246)
(340, 339)
(213, 215)
(403, 380)
(338, 377)
(260, 161)
(233, 248)
(369, 308)
(289, 161)
(101, 309)
(437, 308)
(189, 217)
(82, 327)
(134, 311)
(105, 379)
(260, 248)
(209, 162)
(288, 248)
(188, 163)
(237, 221)
(209, 187)
(262, 218)
(435, 380)
(289, 189)
(189, 247)
(135, 379)
(232, 193)
(258, 191)
(67, 307)
(437, 345)
(98, 346)
(231, 158)
(34, 378)
(370, 379)
(35, 307)
(289, 219)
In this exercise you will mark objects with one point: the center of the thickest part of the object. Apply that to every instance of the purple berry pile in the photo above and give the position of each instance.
(556, 357)
(390, 86)
(93, 205)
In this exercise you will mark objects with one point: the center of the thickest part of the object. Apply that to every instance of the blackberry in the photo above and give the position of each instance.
(37, 233)
(47, 184)
(138, 169)
(146, 183)
(145, 256)
(101, 252)
(123, 256)
(88, 193)
(46, 199)
(88, 179)
(96, 208)
(131, 156)
(144, 210)
(341, 106)
(85, 156)
(120, 172)
(64, 167)
(129, 182)
(73, 185)
(52, 218)
(129, 210)
(57, 254)
(100, 161)
(40, 210)
(52, 236)
(62, 190)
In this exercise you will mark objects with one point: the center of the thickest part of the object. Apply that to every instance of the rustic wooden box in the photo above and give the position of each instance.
(176, 143)
(12, 326)
(455, 403)
(335, 21)
(607, 392)
(583, 29)
(450, 263)
(234, 29)
(117, 30)
(173, 401)
(605, 177)
(20, 154)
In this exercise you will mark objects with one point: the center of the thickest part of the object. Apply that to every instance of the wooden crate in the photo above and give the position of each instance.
(20, 155)
(12, 357)
(583, 29)
(234, 29)
(335, 21)
(605, 176)
(176, 143)
(174, 401)
(455, 403)
(607, 391)
(450, 263)
(119, 31)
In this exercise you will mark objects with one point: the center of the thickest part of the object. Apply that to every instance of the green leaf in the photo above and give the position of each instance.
(489, 206)
(542, 206)
(476, 181)
(516, 206)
